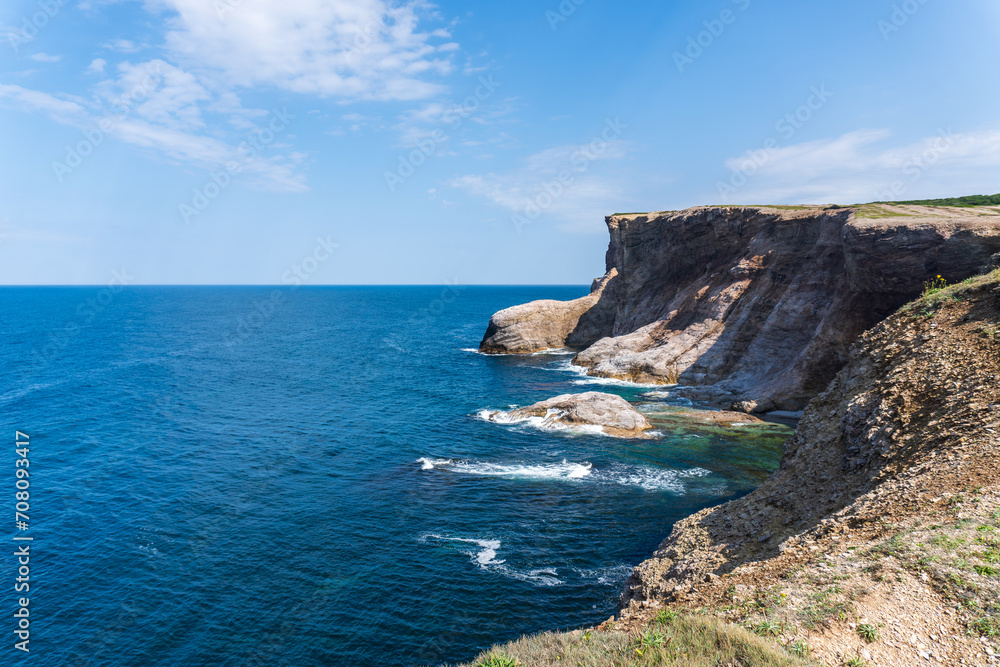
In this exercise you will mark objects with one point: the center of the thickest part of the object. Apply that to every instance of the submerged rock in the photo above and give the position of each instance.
(613, 414)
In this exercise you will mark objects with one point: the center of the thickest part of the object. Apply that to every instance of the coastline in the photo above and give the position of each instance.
(725, 561)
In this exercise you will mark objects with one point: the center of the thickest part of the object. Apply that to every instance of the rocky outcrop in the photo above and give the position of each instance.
(754, 308)
(548, 324)
(890, 471)
(613, 414)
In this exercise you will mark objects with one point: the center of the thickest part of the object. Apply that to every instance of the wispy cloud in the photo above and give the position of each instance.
(864, 165)
(60, 109)
(44, 58)
(571, 183)
(97, 66)
(157, 106)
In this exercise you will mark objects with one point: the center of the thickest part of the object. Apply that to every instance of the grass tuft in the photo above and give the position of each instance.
(868, 632)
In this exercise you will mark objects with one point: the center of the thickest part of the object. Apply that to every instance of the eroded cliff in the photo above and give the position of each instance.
(751, 307)
(881, 520)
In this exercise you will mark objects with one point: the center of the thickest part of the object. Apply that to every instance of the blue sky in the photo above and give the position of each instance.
(230, 141)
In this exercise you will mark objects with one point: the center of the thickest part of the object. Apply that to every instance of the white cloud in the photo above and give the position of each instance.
(157, 106)
(570, 183)
(45, 58)
(63, 110)
(356, 49)
(97, 66)
(859, 166)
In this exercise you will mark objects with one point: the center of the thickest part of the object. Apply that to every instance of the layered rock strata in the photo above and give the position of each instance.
(749, 308)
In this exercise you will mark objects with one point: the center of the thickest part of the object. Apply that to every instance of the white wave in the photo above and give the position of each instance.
(564, 470)
(547, 423)
(568, 367)
(543, 577)
(541, 353)
(486, 558)
(612, 575)
(429, 464)
(649, 478)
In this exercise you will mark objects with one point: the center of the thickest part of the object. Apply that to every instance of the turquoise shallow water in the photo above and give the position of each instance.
(244, 476)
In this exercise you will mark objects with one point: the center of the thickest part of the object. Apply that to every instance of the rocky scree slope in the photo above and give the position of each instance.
(753, 308)
(884, 516)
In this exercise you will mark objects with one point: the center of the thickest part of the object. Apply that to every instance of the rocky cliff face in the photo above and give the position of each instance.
(754, 307)
(884, 509)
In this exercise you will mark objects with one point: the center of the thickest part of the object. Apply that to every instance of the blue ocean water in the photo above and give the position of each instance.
(260, 476)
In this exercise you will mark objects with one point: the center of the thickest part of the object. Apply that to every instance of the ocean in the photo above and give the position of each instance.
(282, 476)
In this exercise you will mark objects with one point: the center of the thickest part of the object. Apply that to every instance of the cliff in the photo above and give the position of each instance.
(877, 537)
(750, 307)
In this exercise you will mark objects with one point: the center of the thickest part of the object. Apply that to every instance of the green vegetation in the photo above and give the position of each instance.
(824, 608)
(868, 632)
(934, 286)
(986, 626)
(767, 627)
(665, 616)
(972, 200)
(799, 648)
(894, 546)
(671, 641)
(497, 660)
(854, 662)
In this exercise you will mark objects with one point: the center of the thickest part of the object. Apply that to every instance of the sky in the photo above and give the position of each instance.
(460, 143)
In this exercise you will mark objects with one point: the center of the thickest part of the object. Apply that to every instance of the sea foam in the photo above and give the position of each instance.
(564, 470)
(550, 422)
(485, 556)
(648, 478)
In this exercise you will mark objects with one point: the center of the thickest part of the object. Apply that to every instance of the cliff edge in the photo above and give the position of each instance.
(750, 307)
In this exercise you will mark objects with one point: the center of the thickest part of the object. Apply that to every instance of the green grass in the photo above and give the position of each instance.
(894, 546)
(665, 616)
(823, 609)
(497, 660)
(986, 626)
(868, 632)
(854, 662)
(686, 641)
(799, 648)
(767, 627)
